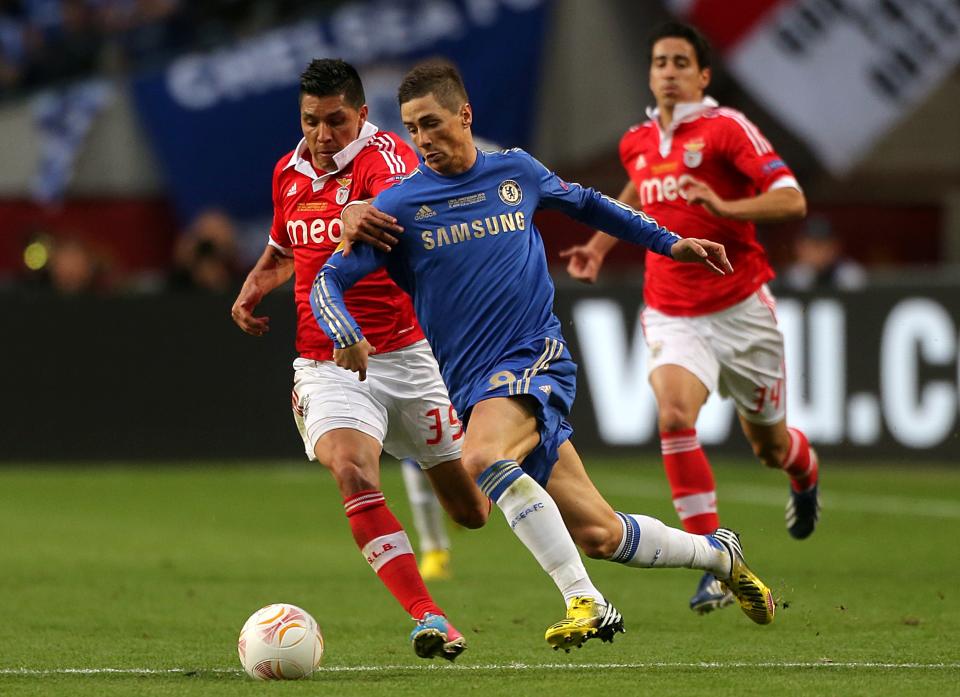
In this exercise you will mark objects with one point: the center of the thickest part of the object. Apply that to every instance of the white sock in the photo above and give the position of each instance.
(428, 518)
(648, 543)
(534, 517)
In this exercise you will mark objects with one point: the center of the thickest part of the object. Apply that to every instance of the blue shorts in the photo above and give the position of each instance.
(544, 371)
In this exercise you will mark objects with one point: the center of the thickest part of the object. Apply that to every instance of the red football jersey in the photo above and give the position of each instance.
(306, 223)
(726, 151)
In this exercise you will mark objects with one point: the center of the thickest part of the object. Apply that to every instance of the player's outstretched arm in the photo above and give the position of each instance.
(273, 269)
(707, 252)
(584, 261)
(364, 222)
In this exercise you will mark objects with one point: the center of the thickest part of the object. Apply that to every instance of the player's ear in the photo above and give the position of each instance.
(705, 76)
(466, 115)
(362, 112)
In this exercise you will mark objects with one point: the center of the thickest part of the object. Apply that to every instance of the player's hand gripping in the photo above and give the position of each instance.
(242, 311)
(354, 358)
(583, 263)
(363, 222)
(710, 254)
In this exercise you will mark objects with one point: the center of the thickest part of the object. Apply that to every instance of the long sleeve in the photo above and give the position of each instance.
(332, 281)
(602, 212)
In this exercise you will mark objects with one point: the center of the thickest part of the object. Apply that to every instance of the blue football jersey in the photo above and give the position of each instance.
(473, 261)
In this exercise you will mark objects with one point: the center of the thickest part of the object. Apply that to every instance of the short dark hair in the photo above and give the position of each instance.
(679, 30)
(439, 78)
(325, 77)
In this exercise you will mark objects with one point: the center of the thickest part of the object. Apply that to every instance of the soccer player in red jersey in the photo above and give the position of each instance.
(705, 170)
(401, 404)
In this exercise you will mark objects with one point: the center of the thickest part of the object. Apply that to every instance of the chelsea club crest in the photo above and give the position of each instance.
(510, 192)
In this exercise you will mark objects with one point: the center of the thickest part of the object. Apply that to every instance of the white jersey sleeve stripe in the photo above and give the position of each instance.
(785, 182)
(283, 250)
(387, 147)
(401, 167)
(760, 144)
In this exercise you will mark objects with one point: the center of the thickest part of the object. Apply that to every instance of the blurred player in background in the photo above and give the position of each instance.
(430, 523)
(698, 167)
(345, 423)
(467, 251)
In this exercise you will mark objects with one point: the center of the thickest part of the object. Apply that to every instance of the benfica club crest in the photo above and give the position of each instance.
(343, 193)
(693, 152)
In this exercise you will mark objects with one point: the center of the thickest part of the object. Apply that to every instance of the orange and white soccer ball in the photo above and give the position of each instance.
(280, 642)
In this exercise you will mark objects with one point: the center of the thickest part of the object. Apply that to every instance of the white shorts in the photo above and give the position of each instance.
(403, 403)
(738, 351)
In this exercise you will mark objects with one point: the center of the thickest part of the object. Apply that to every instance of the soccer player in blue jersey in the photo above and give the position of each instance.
(474, 264)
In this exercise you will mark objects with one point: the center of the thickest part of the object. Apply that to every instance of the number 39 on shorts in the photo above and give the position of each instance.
(436, 425)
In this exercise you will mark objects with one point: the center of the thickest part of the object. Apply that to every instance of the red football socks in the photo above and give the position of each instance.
(691, 481)
(800, 463)
(385, 546)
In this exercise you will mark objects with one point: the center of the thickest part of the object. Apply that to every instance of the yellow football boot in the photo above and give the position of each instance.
(756, 600)
(586, 619)
(435, 565)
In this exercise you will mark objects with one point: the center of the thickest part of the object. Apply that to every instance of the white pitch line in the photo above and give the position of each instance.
(519, 667)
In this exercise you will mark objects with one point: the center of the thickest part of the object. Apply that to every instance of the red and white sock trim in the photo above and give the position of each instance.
(363, 501)
(696, 504)
(679, 442)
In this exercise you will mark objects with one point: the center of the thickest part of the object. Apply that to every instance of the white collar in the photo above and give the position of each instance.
(684, 111)
(304, 165)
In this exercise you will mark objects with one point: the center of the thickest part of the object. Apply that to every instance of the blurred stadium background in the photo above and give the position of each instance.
(137, 139)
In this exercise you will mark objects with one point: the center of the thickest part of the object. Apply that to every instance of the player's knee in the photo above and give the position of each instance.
(349, 475)
(596, 541)
(476, 461)
(771, 454)
(676, 417)
(471, 516)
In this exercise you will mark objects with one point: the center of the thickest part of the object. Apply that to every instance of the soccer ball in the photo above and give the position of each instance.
(280, 642)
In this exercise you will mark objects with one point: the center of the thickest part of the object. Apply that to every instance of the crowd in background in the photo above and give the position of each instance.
(44, 42)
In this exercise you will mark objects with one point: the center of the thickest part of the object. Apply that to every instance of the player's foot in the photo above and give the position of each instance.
(756, 600)
(586, 619)
(435, 637)
(435, 565)
(711, 595)
(803, 512)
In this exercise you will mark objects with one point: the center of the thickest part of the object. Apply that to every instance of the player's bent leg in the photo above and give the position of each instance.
(633, 540)
(780, 447)
(459, 494)
(592, 522)
(353, 458)
(502, 432)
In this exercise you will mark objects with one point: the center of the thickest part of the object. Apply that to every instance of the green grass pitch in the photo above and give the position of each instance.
(140, 579)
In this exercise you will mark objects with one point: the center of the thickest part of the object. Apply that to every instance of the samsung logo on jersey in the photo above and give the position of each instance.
(473, 230)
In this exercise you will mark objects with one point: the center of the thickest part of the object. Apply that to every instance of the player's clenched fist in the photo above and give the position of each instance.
(354, 358)
(706, 252)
